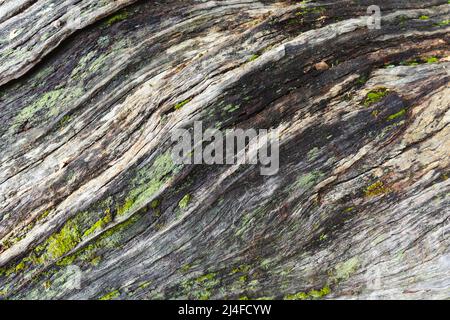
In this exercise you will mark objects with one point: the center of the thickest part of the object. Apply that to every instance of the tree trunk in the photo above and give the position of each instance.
(92, 204)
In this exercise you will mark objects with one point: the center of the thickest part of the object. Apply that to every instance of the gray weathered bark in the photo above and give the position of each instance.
(88, 188)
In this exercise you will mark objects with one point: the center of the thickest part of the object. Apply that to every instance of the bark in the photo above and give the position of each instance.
(359, 208)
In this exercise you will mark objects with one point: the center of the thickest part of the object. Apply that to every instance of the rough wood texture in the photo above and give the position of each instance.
(359, 208)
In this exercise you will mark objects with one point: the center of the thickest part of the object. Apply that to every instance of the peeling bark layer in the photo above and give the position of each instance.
(358, 209)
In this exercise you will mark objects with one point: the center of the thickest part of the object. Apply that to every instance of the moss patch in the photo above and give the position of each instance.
(201, 287)
(120, 16)
(313, 294)
(399, 114)
(100, 224)
(64, 241)
(111, 295)
(147, 182)
(375, 96)
(181, 104)
(184, 202)
(376, 189)
(253, 58)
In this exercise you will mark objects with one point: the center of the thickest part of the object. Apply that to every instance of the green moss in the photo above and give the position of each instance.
(127, 206)
(253, 58)
(317, 294)
(376, 189)
(155, 204)
(231, 108)
(399, 114)
(100, 224)
(244, 268)
(443, 23)
(184, 201)
(375, 96)
(108, 239)
(64, 120)
(431, 59)
(424, 17)
(181, 104)
(313, 294)
(144, 285)
(120, 16)
(200, 288)
(96, 260)
(206, 277)
(66, 261)
(185, 268)
(64, 241)
(147, 182)
(19, 267)
(111, 295)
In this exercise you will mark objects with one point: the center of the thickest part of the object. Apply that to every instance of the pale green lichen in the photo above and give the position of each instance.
(344, 270)
(111, 295)
(312, 294)
(50, 102)
(47, 100)
(308, 180)
(147, 182)
(184, 202)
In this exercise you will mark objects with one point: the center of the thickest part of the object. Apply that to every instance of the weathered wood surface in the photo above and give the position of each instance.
(359, 208)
